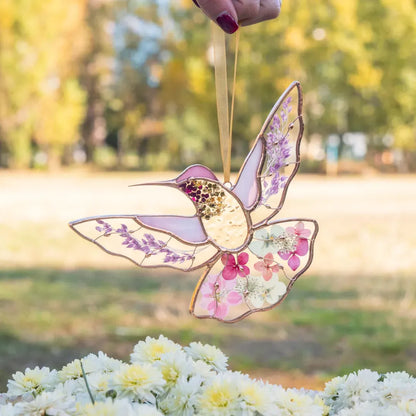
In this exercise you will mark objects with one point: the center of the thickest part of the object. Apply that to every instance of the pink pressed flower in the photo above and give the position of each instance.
(299, 230)
(232, 267)
(218, 295)
(266, 268)
(301, 249)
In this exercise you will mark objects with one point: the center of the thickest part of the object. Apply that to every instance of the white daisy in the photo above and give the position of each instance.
(101, 362)
(120, 407)
(220, 397)
(174, 365)
(7, 410)
(183, 398)
(138, 381)
(202, 369)
(211, 355)
(152, 349)
(55, 403)
(32, 381)
(254, 396)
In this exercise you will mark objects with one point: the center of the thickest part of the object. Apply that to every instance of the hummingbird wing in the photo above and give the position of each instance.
(259, 277)
(150, 241)
(274, 159)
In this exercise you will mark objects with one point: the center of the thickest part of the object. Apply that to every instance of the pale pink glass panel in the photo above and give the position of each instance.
(186, 228)
(247, 189)
(197, 171)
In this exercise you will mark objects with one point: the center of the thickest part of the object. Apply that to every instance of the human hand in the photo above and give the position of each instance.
(229, 14)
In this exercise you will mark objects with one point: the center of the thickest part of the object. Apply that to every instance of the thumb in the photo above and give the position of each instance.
(222, 12)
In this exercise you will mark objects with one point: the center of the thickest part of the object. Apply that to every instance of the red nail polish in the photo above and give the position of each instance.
(195, 2)
(227, 23)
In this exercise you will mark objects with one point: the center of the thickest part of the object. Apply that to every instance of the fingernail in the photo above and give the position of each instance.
(195, 2)
(227, 23)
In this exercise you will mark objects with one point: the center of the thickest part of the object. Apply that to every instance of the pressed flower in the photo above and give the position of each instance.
(252, 288)
(218, 295)
(233, 267)
(266, 266)
(300, 233)
(274, 290)
(299, 230)
(273, 240)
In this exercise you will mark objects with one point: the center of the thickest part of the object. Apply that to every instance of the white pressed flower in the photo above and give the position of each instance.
(183, 398)
(211, 355)
(174, 365)
(32, 381)
(152, 349)
(138, 381)
(276, 240)
(273, 290)
(220, 397)
(252, 289)
(55, 403)
(121, 407)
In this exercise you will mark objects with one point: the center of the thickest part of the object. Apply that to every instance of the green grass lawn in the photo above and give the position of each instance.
(61, 297)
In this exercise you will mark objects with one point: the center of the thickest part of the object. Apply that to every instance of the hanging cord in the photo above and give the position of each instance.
(225, 119)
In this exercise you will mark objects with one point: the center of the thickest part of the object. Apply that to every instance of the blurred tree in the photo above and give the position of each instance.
(97, 71)
(40, 44)
(149, 88)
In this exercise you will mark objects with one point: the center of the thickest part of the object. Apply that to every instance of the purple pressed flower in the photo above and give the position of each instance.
(278, 150)
(105, 227)
(148, 244)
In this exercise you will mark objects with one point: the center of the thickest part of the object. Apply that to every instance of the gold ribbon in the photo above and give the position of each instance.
(225, 119)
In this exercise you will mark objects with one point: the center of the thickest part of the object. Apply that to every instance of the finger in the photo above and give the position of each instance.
(247, 9)
(221, 11)
(269, 9)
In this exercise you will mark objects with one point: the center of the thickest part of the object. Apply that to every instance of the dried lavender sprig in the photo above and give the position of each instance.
(148, 244)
